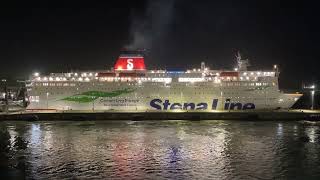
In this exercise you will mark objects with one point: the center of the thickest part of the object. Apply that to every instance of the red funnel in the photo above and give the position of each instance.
(130, 63)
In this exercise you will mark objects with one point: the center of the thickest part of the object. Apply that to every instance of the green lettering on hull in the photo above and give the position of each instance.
(90, 96)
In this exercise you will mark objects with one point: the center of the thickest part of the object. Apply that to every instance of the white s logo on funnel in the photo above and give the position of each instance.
(129, 64)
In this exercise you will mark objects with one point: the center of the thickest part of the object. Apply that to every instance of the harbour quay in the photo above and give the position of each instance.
(277, 115)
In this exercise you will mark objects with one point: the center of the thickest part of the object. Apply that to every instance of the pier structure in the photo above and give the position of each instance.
(54, 115)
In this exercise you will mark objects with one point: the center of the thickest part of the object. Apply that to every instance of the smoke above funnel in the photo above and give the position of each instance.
(147, 29)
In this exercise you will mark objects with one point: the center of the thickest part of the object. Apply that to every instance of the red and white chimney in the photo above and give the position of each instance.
(130, 63)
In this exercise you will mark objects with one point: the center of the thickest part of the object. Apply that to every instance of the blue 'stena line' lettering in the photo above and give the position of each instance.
(158, 104)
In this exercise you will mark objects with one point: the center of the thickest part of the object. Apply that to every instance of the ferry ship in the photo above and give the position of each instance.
(130, 87)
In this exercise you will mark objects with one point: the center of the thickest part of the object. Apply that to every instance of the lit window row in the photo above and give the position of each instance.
(111, 79)
(157, 71)
(85, 74)
(165, 80)
(246, 84)
(63, 79)
(191, 79)
(55, 84)
(258, 73)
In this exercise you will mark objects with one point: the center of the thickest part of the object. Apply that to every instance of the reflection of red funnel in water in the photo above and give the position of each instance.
(129, 63)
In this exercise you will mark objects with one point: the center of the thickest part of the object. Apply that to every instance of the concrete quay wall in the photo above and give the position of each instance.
(223, 115)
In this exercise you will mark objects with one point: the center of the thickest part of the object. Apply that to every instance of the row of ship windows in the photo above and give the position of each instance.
(171, 91)
(85, 84)
(157, 78)
(233, 94)
(55, 84)
(195, 90)
(37, 98)
(248, 84)
(135, 84)
(174, 91)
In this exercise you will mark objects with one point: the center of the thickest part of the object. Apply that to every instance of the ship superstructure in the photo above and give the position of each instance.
(129, 86)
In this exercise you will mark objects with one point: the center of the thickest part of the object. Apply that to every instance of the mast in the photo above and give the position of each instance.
(242, 64)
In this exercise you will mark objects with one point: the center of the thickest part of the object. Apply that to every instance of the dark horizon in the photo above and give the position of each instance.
(181, 33)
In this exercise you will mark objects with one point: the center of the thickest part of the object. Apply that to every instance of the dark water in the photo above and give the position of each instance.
(170, 149)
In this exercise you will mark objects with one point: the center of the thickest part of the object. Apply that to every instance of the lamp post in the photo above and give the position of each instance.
(5, 95)
(312, 89)
(312, 99)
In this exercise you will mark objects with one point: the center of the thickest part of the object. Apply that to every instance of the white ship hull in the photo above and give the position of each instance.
(153, 96)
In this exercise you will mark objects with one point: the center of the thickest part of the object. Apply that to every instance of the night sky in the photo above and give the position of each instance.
(53, 37)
